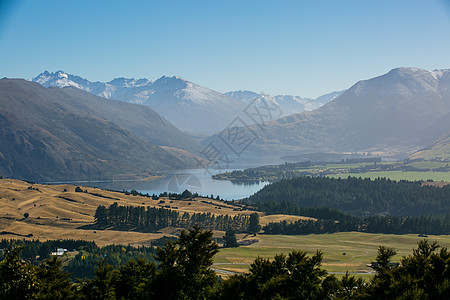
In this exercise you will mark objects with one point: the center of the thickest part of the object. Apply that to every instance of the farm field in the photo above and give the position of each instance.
(424, 165)
(349, 165)
(359, 248)
(399, 175)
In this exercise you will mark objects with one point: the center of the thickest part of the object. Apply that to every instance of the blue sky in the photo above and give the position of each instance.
(304, 48)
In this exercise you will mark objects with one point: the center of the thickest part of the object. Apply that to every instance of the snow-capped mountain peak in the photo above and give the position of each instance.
(176, 87)
(61, 74)
(438, 74)
(59, 79)
(175, 98)
(122, 82)
(171, 82)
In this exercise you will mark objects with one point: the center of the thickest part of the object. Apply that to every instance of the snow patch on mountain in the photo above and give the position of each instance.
(287, 103)
(188, 106)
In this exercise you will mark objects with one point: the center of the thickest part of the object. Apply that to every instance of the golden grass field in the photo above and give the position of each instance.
(52, 217)
(57, 214)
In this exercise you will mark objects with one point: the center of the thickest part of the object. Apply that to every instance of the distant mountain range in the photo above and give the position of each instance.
(116, 88)
(404, 111)
(188, 106)
(288, 104)
(394, 114)
(58, 134)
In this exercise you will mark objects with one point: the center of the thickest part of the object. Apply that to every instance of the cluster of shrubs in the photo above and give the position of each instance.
(182, 271)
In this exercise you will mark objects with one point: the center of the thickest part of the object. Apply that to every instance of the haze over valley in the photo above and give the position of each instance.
(178, 100)
(224, 149)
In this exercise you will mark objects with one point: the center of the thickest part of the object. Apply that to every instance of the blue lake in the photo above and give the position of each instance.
(195, 180)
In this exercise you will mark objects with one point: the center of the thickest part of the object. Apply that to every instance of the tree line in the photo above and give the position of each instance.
(425, 224)
(35, 248)
(154, 218)
(357, 196)
(182, 271)
(89, 254)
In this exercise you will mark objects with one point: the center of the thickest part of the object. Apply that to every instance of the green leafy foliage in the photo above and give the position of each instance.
(53, 282)
(254, 226)
(84, 263)
(184, 268)
(230, 240)
(423, 275)
(183, 272)
(17, 277)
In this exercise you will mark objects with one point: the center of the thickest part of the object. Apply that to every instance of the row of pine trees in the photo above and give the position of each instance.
(154, 218)
(435, 225)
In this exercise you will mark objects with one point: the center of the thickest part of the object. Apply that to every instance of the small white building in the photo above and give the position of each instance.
(59, 251)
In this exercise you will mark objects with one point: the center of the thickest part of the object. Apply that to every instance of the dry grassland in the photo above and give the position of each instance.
(58, 212)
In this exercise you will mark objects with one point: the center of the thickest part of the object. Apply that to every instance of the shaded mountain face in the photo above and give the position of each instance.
(288, 104)
(57, 134)
(393, 114)
(190, 107)
(140, 120)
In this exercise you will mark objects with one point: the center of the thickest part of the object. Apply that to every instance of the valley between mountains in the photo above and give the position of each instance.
(61, 127)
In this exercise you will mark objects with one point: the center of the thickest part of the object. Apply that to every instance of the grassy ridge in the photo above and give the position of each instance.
(58, 212)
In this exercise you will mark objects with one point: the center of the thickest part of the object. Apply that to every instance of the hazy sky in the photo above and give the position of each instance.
(305, 48)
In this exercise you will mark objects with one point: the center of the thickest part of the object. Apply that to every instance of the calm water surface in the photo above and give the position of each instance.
(196, 180)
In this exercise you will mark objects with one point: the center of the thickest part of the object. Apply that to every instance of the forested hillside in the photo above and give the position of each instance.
(359, 197)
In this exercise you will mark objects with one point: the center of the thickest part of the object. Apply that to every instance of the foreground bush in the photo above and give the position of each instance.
(183, 271)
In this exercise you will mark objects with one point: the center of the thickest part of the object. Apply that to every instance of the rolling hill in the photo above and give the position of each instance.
(58, 212)
(438, 151)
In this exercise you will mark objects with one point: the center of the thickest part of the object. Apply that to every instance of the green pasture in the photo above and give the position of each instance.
(359, 248)
(400, 175)
(350, 165)
(424, 165)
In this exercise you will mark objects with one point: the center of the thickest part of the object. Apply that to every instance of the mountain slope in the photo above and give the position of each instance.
(391, 114)
(439, 150)
(138, 119)
(188, 106)
(54, 134)
(191, 107)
